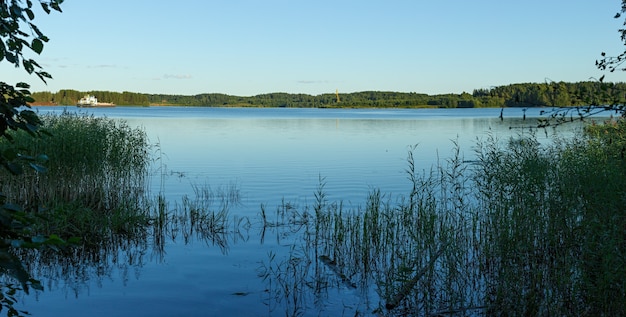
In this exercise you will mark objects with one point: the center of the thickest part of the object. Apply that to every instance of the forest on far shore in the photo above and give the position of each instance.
(552, 94)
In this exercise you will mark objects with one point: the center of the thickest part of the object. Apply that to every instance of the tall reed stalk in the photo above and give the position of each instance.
(97, 171)
(553, 227)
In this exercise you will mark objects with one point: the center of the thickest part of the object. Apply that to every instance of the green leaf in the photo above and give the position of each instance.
(39, 33)
(45, 7)
(41, 77)
(55, 5)
(37, 46)
(16, 10)
(28, 66)
(10, 57)
(31, 127)
(35, 63)
(38, 168)
(31, 15)
(53, 240)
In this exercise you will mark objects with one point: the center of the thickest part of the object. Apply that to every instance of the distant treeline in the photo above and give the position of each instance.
(515, 95)
(71, 97)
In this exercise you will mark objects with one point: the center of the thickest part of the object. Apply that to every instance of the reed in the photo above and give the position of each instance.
(204, 216)
(525, 229)
(554, 225)
(411, 251)
(95, 180)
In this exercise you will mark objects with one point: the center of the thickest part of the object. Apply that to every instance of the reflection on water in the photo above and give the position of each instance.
(275, 158)
(75, 271)
(192, 263)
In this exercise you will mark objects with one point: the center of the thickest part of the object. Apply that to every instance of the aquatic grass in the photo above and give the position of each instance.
(97, 161)
(200, 209)
(205, 216)
(287, 283)
(553, 227)
(412, 251)
(527, 228)
(96, 166)
(513, 223)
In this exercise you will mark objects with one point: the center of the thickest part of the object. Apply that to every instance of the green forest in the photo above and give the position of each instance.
(515, 95)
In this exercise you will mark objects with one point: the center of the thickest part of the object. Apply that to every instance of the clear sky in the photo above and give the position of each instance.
(249, 47)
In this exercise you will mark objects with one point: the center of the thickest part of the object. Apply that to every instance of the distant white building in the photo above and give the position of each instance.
(88, 100)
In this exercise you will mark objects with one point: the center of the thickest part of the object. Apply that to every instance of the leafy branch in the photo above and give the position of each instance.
(14, 15)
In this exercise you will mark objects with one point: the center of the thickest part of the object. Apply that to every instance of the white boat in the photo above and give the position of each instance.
(92, 101)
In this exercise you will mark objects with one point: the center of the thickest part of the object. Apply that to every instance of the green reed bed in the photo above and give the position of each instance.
(524, 229)
(96, 175)
(554, 226)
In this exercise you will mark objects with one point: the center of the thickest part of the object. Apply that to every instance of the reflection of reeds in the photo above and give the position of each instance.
(204, 217)
(200, 218)
(287, 282)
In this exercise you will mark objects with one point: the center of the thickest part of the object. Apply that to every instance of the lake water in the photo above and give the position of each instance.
(269, 155)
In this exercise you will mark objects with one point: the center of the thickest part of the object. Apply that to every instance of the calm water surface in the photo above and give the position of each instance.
(269, 155)
(272, 154)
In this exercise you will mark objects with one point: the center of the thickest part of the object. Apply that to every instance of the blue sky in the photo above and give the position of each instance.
(249, 47)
